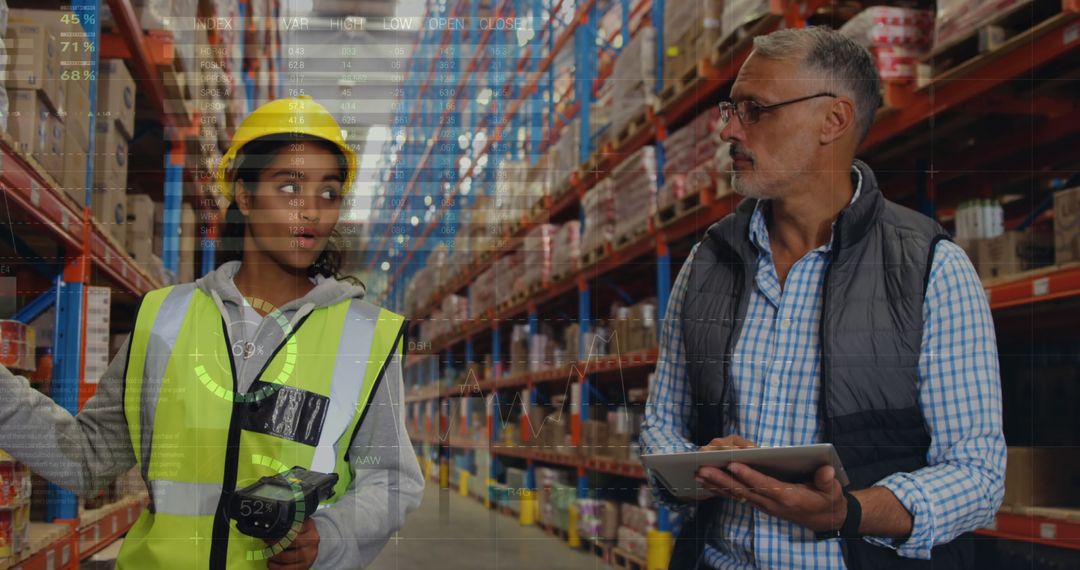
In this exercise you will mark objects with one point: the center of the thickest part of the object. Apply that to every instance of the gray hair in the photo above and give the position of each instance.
(837, 56)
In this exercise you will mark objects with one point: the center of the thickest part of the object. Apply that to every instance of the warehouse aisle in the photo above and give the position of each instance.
(474, 538)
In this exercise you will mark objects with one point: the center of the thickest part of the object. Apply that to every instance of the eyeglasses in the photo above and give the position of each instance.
(750, 111)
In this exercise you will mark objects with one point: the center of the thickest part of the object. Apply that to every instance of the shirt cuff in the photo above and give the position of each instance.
(911, 495)
(330, 544)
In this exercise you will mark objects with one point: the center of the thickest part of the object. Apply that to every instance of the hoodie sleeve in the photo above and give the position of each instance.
(388, 484)
(81, 453)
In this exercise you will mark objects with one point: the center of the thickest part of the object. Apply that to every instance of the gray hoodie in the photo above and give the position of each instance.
(85, 452)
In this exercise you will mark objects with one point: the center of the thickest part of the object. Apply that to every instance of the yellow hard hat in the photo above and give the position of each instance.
(295, 115)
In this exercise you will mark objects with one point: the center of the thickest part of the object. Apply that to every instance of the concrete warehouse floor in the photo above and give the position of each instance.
(474, 538)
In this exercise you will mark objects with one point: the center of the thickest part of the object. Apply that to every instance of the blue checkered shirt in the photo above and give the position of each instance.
(776, 375)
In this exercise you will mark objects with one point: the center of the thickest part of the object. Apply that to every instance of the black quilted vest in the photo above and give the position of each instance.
(871, 338)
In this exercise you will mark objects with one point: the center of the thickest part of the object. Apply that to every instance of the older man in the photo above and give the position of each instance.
(821, 312)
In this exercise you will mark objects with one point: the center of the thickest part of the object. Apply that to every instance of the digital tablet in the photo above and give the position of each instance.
(793, 464)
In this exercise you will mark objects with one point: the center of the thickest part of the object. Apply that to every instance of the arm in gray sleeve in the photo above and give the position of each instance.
(388, 483)
(81, 453)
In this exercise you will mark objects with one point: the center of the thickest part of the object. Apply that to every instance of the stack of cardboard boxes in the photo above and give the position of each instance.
(690, 29)
(1067, 226)
(114, 126)
(635, 326)
(49, 114)
(34, 90)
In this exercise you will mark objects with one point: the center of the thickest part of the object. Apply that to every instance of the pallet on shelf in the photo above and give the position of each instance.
(690, 79)
(631, 236)
(600, 547)
(626, 560)
(987, 36)
(634, 127)
(740, 38)
(593, 256)
(684, 206)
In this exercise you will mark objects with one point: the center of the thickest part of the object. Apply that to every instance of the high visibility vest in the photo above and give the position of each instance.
(196, 439)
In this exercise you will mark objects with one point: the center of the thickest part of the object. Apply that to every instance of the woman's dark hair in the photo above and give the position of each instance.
(252, 159)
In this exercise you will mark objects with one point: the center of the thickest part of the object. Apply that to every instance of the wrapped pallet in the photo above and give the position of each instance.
(691, 27)
(633, 79)
(739, 13)
(537, 252)
(635, 201)
(959, 18)
(566, 250)
(897, 38)
(599, 206)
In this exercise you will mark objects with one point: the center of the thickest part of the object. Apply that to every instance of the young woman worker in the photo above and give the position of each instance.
(271, 361)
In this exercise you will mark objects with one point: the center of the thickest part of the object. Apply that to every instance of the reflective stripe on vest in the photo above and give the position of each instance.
(194, 434)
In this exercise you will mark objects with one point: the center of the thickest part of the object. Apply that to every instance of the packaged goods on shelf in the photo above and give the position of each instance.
(738, 13)
(541, 350)
(537, 187)
(597, 342)
(482, 293)
(1013, 252)
(896, 37)
(36, 129)
(109, 199)
(690, 29)
(76, 140)
(594, 438)
(635, 200)
(637, 518)
(4, 108)
(507, 276)
(559, 498)
(519, 350)
(566, 249)
(624, 431)
(14, 531)
(140, 227)
(564, 157)
(598, 519)
(33, 58)
(632, 541)
(698, 141)
(600, 113)
(15, 486)
(455, 310)
(635, 326)
(116, 99)
(958, 18)
(599, 206)
(979, 219)
(1067, 225)
(633, 79)
(483, 230)
(570, 342)
(537, 253)
(511, 191)
(18, 346)
(98, 304)
(1042, 477)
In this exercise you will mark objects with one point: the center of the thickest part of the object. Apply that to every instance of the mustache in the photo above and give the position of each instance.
(738, 152)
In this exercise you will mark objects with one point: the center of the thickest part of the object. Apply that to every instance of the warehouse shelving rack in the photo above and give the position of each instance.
(906, 108)
(47, 216)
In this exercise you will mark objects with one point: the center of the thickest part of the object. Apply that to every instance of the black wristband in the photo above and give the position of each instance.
(850, 528)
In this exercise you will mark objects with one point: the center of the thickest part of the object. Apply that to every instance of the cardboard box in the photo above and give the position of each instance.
(116, 95)
(73, 176)
(110, 157)
(23, 106)
(1013, 252)
(72, 59)
(52, 146)
(140, 227)
(1067, 225)
(109, 206)
(1043, 477)
(33, 59)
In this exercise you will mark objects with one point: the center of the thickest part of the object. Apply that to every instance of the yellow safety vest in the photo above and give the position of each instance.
(196, 439)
